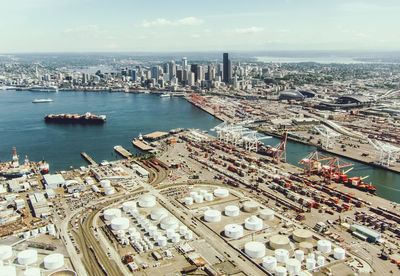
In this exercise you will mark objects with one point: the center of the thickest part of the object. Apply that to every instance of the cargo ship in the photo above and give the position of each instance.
(86, 118)
(42, 100)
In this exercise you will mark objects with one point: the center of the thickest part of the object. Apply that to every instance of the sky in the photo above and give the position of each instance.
(205, 25)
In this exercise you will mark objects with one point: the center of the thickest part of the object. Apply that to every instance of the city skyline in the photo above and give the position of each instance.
(93, 26)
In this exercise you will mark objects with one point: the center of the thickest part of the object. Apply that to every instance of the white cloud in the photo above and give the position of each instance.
(249, 30)
(162, 22)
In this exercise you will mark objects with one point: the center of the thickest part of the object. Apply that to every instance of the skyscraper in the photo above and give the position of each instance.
(184, 63)
(172, 70)
(227, 68)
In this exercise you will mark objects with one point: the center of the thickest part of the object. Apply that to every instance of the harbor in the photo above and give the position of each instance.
(123, 152)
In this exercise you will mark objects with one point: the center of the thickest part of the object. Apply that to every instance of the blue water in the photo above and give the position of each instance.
(22, 124)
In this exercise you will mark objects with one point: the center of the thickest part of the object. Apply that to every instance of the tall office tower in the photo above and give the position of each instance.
(211, 72)
(220, 70)
(155, 72)
(172, 69)
(134, 75)
(85, 78)
(185, 76)
(193, 69)
(200, 73)
(227, 68)
(179, 75)
(191, 78)
(184, 63)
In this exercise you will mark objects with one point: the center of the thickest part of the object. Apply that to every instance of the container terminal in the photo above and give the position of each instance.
(198, 205)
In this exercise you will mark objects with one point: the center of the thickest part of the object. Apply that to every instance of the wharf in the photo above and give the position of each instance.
(123, 152)
(142, 146)
(89, 159)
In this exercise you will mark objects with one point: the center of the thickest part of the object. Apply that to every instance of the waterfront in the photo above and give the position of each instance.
(22, 125)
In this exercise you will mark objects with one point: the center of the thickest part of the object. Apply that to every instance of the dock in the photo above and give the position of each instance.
(89, 159)
(142, 146)
(123, 152)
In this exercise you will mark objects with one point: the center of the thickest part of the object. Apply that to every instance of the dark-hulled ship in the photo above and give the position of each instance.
(86, 118)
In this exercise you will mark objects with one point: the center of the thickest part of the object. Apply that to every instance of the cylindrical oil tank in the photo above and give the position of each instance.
(212, 215)
(109, 191)
(280, 271)
(158, 214)
(221, 192)
(269, 263)
(188, 200)
(233, 231)
(324, 246)
(32, 271)
(232, 210)
(105, 183)
(299, 255)
(5, 252)
(120, 224)
(183, 229)
(53, 261)
(169, 223)
(310, 263)
(27, 257)
(281, 255)
(189, 235)
(112, 213)
(293, 266)
(162, 241)
(199, 199)
(279, 241)
(307, 247)
(339, 253)
(301, 235)
(250, 206)
(209, 197)
(9, 270)
(267, 214)
(255, 249)
(253, 223)
(147, 201)
(128, 206)
(321, 261)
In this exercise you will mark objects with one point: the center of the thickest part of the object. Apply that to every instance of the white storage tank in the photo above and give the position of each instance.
(232, 211)
(27, 257)
(279, 241)
(189, 235)
(281, 255)
(112, 213)
(203, 192)
(27, 235)
(34, 232)
(293, 266)
(188, 200)
(147, 201)
(269, 263)
(212, 216)
(321, 261)
(5, 252)
(221, 192)
(324, 246)
(183, 229)
(176, 238)
(199, 199)
(169, 223)
(170, 233)
(267, 214)
(128, 206)
(233, 231)
(280, 271)
(253, 223)
(158, 214)
(250, 207)
(162, 241)
(299, 255)
(120, 224)
(254, 249)
(310, 263)
(302, 235)
(193, 194)
(152, 230)
(8, 270)
(32, 271)
(109, 191)
(209, 197)
(105, 183)
(339, 253)
(53, 261)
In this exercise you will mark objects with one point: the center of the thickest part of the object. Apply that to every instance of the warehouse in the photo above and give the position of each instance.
(362, 231)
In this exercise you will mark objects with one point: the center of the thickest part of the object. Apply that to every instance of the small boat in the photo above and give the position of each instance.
(42, 101)
(165, 95)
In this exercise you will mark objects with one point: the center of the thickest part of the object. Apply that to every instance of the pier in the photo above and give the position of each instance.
(142, 146)
(89, 159)
(123, 152)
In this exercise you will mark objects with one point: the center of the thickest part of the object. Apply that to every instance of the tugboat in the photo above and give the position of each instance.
(86, 118)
